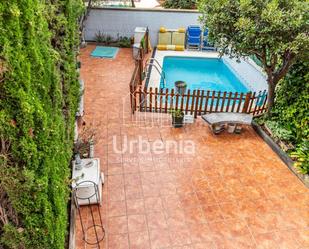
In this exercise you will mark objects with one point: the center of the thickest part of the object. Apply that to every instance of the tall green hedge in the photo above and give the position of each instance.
(39, 92)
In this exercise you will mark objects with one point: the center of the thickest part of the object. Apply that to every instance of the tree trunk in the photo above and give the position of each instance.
(133, 4)
(271, 94)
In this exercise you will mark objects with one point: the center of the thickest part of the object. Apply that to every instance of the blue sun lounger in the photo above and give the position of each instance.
(194, 37)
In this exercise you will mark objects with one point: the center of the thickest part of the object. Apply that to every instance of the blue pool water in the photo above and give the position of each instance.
(201, 73)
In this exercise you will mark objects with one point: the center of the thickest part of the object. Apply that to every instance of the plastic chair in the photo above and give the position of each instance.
(194, 37)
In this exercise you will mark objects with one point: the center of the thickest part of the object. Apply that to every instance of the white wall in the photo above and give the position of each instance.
(114, 21)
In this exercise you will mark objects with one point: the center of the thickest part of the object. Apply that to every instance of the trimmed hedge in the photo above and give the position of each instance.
(39, 93)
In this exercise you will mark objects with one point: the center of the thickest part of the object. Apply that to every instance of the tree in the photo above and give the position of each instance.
(275, 31)
(179, 4)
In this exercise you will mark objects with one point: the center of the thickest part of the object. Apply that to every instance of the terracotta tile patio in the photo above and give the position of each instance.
(233, 193)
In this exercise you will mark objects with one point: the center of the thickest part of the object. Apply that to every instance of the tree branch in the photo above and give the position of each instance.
(85, 15)
(257, 54)
(267, 68)
(274, 60)
(288, 60)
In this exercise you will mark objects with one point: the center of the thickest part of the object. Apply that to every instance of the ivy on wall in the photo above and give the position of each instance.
(39, 93)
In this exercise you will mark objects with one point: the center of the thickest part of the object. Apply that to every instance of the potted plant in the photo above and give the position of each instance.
(180, 86)
(177, 118)
(84, 145)
(81, 150)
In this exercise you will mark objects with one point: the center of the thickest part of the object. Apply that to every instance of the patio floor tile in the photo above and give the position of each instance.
(116, 208)
(156, 221)
(118, 241)
(180, 236)
(139, 240)
(153, 204)
(117, 225)
(137, 223)
(212, 213)
(159, 238)
(267, 241)
(135, 206)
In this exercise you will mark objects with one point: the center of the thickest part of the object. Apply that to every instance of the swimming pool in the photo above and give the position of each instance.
(201, 74)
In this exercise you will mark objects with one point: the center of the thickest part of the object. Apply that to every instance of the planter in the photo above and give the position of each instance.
(78, 162)
(91, 149)
(218, 128)
(283, 156)
(231, 128)
(238, 129)
(177, 120)
(181, 87)
(83, 44)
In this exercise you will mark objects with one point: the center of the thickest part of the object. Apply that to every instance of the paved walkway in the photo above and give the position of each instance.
(232, 193)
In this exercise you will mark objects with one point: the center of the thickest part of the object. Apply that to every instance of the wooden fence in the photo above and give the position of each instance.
(197, 102)
(137, 76)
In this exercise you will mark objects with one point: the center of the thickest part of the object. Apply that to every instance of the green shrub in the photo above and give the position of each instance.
(291, 109)
(124, 42)
(302, 156)
(279, 131)
(100, 37)
(39, 93)
(180, 4)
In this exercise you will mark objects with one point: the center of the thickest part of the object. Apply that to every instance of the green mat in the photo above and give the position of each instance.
(105, 52)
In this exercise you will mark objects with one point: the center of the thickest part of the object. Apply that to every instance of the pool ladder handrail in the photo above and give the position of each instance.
(157, 66)
(151, 60)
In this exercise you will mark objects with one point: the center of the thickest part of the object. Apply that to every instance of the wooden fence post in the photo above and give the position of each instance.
(247, 102)
(147, 41)
(131, 98)
(196, 103)
(134, 99)
(140, 68)
(150, 99)
(145, 99)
